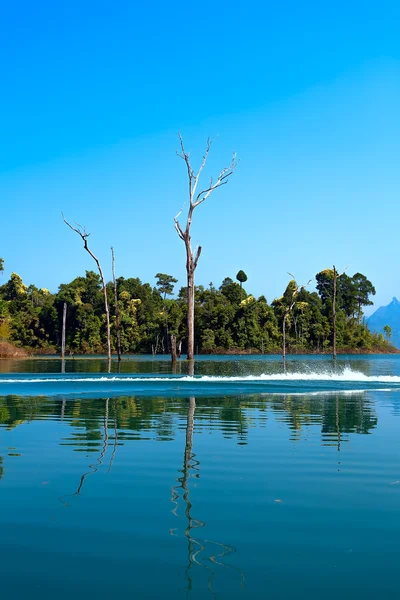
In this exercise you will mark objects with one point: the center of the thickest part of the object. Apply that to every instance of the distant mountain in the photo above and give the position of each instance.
(387, 315)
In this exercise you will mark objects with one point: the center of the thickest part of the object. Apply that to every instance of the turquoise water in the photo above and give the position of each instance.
(243, 481)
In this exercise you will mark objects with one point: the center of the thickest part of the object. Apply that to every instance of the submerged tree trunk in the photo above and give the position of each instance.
(190, 316)
(117, 327)
(173, 348)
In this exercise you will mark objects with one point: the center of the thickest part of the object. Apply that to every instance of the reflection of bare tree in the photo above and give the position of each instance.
(337, 423)
(196, 546)
(95, 467)
(115, 432)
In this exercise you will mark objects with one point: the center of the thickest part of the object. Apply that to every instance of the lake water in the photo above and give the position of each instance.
(242, 481)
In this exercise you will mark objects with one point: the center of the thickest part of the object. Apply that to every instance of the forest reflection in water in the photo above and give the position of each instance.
(208, 492)
(135, 418)
(100, 426)
(99, 429)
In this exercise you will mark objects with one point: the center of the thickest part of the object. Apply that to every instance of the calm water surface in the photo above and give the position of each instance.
(150, 485)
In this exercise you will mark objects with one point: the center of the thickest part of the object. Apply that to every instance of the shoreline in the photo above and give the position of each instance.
(230, 353)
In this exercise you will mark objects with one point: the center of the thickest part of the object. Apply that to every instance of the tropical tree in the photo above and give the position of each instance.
(388, 332)
(363, 289)
(327, 285)
(285, 305)
(241, 277)
(165, 284)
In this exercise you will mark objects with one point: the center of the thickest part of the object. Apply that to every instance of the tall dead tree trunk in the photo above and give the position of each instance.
(84, 235)
(64, 323)
(334, 309)
(173, 348)
(192, 258)
(117, 327)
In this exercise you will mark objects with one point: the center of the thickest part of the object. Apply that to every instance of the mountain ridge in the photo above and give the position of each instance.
(387, 315)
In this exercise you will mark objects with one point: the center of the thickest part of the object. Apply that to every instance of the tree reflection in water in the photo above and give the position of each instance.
(95, 467)
(196, 545)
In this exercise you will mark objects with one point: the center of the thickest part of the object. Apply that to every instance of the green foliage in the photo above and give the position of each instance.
(388, 331)
(241, 277)
(225, 317)
(165, 284)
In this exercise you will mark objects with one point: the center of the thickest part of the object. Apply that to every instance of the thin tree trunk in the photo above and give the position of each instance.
(154, 347)
(334, 309)
(117, 327)
(64, 322)
(284, 338)
(191, 368)
(173, 348)
(167, 329)
(84, 235)
(107, 311)
(295, 329)
(190, 316)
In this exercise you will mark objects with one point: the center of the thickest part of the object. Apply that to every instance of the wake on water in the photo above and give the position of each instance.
(346, 375)
(102, 385)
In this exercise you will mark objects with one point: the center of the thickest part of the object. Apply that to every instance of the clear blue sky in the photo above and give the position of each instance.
(306, 93)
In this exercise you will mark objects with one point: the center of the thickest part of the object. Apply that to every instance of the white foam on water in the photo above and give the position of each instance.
(347, 375)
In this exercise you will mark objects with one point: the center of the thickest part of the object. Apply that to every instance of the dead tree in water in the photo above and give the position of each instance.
(173, 348)
(192, 258)
(64, 323)
(117, 328)
(84, 235)
(335, 277)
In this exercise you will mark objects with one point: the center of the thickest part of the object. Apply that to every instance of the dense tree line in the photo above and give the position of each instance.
(226, 317)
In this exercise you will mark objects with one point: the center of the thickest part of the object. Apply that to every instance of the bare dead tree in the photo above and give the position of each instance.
(117, 327)
(335, 276)
(192, 257)
(64, 322)
(81, 231)
(173, 348)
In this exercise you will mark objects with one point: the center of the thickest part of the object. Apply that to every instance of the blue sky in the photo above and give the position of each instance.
(307, 94)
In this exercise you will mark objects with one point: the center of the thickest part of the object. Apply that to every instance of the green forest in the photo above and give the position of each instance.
(227, 317)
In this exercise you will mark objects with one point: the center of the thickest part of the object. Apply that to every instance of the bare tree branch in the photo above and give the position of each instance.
(208, 146)
(197, 256)
(190, 171)
(177, 225)
(81, 231)
(222, 180)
